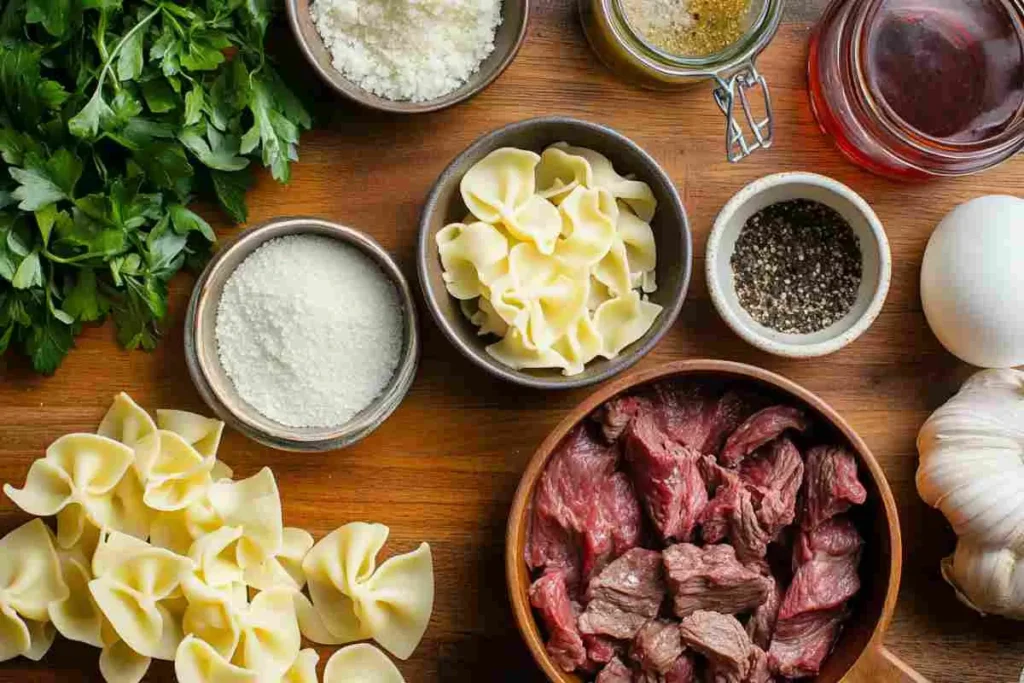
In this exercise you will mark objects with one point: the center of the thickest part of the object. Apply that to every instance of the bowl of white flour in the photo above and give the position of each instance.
(411, 56)
(302, 334)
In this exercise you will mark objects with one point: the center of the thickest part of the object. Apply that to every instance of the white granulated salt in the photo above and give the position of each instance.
(309, 329)
(408, 49)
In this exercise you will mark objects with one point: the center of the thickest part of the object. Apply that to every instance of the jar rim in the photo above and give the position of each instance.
(1006, 141)
(748, 46)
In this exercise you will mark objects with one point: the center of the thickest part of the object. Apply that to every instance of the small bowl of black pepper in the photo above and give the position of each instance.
(798, 265)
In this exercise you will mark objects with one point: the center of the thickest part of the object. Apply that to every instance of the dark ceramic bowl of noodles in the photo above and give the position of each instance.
(670, 227)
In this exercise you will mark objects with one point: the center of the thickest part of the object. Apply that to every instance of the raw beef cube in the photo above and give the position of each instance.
(760, 671)
(759, 429)
(711, 578)
(601, 649)
(614, 526)
(634, 582)
(726, 416)
(826, 572)
(564, 502)
(831, 485)
(666, 478)
(604, 618)
(657, 646)
(683, 671)
(682, 412)
(615, 672)
(800, 645)
(774, 480)
(550, 597)
(762, 622)
(615, 415)
(720, 638)
(731, 514)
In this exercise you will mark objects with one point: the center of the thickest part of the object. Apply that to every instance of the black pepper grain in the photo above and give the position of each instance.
(797, 266)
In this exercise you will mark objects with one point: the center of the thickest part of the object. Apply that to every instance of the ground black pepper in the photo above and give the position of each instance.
(797, 266)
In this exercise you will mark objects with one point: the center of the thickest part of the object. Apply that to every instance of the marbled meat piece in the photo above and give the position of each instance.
(683, 671)
(731, 514)
(549, 595)
(615, 672)
(825, 575)
(601, 649)
(801, 644)
(657, 646)
(634, 582)
(666, 478)
(695, 416)
(564, 502)
(773, 479)
(604, 618)
(711, 578)
(615, 524)
(762, 622)
(831, 485)
(616, 413)
(759, 429)
(720, 637)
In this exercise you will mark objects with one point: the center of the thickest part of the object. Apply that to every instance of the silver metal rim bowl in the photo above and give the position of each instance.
(444, 195)
(216, 387)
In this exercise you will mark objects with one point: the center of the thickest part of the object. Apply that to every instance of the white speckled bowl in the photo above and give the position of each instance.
(877, 263)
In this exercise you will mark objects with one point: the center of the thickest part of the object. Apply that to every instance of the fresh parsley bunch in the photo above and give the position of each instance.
(114, 114)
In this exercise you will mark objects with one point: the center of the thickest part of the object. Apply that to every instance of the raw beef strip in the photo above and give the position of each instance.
(666, 478)
(614, 526)
(615, 415)
(762, 622)
(774, 480)
(800, 645)
(615, 672)
(831, 485)
(604, 618)
(759, 429)
(711, 578)
(634, 582)
(564, 502)
(550, 597)
(826, 572)
(720, 638)
(657, 646)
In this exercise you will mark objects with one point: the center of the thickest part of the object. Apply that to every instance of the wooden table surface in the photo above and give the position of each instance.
(444, 467)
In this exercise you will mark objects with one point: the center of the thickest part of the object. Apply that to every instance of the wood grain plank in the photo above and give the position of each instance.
(445, 466)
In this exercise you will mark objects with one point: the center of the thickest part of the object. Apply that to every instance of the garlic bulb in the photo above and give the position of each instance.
(972, 469)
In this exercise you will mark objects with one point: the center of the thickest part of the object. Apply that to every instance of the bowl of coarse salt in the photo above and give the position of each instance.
(409, 57)
(302, 334)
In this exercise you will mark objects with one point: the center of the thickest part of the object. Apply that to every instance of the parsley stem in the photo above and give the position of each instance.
(107, 66)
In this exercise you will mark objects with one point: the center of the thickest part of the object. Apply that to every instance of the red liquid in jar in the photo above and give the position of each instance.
(950, 69)
(915, 89)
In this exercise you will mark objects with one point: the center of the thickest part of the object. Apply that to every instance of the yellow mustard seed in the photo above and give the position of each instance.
(689, 28)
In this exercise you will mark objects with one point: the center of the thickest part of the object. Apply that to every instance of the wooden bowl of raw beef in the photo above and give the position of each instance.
(794, 563)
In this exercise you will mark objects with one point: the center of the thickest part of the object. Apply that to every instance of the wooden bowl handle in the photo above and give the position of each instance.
(880, 665)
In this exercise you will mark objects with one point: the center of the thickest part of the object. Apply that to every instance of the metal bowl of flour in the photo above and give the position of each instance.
(507, 41)
(217, 389)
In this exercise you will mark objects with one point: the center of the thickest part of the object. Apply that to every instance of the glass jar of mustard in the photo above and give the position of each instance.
(659, 53)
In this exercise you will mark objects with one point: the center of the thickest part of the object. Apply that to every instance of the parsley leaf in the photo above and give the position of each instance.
(113, 115)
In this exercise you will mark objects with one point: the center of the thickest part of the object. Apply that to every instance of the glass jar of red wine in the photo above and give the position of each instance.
(915, 89)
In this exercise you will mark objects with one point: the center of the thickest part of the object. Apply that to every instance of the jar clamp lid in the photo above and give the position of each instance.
(627, 52)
